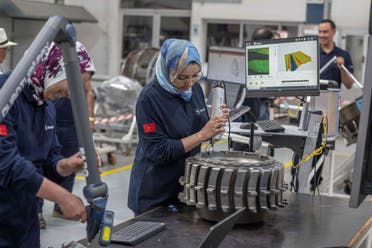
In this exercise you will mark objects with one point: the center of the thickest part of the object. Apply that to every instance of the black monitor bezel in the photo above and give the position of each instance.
(287, 91)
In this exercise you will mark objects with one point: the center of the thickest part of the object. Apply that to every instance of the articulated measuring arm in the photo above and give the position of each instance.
(60, 30)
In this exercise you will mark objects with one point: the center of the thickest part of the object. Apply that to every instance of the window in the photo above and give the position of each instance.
(174, 27)
(137, 33)
(156, 4)
(283, 31)
(226, 35)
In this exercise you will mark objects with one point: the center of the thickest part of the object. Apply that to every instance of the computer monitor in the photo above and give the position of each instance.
(226, 64)
(282, 67)
(362, 171)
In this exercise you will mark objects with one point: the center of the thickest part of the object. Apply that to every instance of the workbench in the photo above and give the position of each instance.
(307, 221)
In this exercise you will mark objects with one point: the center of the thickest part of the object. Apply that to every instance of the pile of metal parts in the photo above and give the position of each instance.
(219, 183)
(115, 122)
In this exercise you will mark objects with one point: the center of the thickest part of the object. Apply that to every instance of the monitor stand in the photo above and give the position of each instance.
(304, 121)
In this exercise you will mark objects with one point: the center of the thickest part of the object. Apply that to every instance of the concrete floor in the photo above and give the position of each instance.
(61, 231)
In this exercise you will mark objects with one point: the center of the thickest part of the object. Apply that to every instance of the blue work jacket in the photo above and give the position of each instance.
(28, 148)
(163, 119)
(333, 72)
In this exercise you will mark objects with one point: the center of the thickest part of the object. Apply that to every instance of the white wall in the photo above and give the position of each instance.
(262, 10)
(25, 32)
(101, 39)
(247, 10)
(351, 14)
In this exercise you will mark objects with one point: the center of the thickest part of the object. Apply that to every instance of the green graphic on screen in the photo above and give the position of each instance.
(296, 59)
(258, 61)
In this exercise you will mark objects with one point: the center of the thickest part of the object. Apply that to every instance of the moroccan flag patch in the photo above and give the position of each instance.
(3, 130)
(149, 127)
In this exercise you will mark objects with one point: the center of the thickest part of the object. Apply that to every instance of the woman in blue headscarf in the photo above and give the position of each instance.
(172, 121)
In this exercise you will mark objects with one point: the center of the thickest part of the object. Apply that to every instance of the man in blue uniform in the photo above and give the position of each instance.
(172, 122)
(328, 50)
(30, 166)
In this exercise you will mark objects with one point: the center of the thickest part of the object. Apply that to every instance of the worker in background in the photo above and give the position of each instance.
(5, 45)
(328, 50)
(31, 166)
(172, 122)
(259, 106)
(51, 70)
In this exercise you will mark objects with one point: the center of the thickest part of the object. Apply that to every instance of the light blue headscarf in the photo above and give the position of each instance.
(169, 61)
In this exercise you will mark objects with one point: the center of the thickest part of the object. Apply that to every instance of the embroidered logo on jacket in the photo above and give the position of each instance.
(149, 127)
(48, 127)
(3, 130)
(198, 111)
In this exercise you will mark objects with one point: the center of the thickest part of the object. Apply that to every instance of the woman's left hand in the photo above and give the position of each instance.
(67, 166)
(225, 111)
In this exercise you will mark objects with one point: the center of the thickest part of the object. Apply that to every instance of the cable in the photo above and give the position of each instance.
(228, 118)
(297, 111)
(253, 116)
(318, 151)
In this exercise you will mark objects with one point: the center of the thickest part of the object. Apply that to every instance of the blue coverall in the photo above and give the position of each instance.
(163, 119)
(28, 145)
(67, 136)
(333, 72)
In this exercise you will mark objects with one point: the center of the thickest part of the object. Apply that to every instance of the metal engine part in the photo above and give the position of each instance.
(219, 183)
(140, 64)
(349, 123)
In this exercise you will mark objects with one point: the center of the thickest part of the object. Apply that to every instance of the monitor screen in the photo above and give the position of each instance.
(362, 171)
(226, 64)
(282, 67)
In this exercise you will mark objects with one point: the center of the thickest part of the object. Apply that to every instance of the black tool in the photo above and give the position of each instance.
(218, 232)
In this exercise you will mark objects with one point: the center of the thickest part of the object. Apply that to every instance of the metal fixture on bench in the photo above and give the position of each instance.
(219, 183)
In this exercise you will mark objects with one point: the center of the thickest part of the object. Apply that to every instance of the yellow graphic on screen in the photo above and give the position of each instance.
(294, 60)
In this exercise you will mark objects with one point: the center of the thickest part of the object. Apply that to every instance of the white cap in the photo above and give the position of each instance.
(4, 42)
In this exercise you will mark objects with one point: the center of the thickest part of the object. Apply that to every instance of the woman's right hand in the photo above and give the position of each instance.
(213, 127)
(73, 208)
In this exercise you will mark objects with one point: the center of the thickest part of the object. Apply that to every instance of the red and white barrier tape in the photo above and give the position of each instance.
(114, 119)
